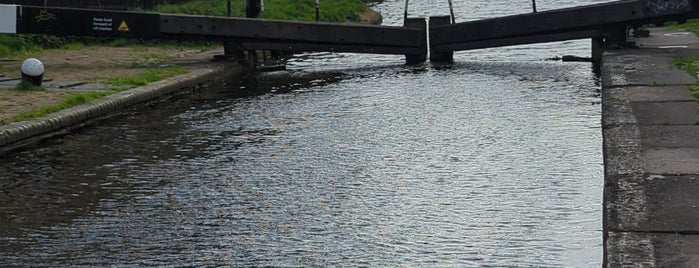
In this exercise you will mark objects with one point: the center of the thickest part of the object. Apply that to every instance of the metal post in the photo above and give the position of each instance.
(252, 8)
(317, 10)
(405, 15)
(228, 49)
(451, 11)
(534, 5)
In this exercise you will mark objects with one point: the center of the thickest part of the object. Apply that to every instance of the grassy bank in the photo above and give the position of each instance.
(690, 25)
(688, 64)
(118, 84)
(691, 66)
(71, 100)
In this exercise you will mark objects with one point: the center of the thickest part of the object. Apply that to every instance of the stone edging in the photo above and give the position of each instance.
(21, 134)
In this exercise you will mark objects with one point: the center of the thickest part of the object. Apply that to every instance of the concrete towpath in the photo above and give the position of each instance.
(651, 152)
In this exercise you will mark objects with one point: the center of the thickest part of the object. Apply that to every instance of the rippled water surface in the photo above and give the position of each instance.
(343, 160)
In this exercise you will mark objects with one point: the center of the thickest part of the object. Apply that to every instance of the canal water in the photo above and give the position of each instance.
(342, 160)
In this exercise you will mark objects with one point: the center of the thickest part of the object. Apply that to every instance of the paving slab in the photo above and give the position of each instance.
(670, 136)
(628, 249)
(654, 69)
(672, 161)
(63, 86)
(653, 203)
(660, 93)
(9, 80)
(666, 113)
(665, 38)
(75, 86)
(635, 67)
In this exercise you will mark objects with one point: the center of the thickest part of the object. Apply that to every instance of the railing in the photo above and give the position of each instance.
(94, 4)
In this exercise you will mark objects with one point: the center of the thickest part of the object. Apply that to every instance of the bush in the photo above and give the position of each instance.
(16, 44)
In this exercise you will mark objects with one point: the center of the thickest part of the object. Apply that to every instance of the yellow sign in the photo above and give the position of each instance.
(123, 27)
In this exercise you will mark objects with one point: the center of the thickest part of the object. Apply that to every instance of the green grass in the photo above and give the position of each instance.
(17, 45)
(690, 25)
(22, 45)
(26, 86)
(303, 10)
(119, 84)
(72, 100)
(150, 60)
(690, 65)
(73, 46)
(695, 91)
(146, 77)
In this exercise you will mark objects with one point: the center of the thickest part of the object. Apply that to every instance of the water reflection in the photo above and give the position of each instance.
(344, 160)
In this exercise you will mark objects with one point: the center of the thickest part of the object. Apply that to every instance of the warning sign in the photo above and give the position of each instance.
(101, 24)
(123, 27)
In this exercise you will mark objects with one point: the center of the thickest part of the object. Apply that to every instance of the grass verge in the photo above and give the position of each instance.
(120, 84)
(690, 25)
(26, 86)
(148, 76)
(690, 65)
(71, 100)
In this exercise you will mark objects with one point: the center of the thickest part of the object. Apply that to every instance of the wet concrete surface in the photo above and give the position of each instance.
(71, 86)
(666, 113)
(670, 136)
(651, 130)
(652, 250)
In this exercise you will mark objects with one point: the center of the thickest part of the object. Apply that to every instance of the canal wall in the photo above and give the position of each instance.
(202, 72)
(651, 154)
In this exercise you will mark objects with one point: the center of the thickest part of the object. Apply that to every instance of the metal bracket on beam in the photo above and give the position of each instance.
(617, 37)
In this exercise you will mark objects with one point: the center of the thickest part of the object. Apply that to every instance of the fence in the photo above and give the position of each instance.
(94, 4)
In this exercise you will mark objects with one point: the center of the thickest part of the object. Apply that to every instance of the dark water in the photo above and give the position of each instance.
(344, 160)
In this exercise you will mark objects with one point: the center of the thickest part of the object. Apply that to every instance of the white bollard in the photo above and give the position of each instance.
(33, 71)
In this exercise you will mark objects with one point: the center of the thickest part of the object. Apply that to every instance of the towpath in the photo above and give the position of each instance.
(651, 137)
